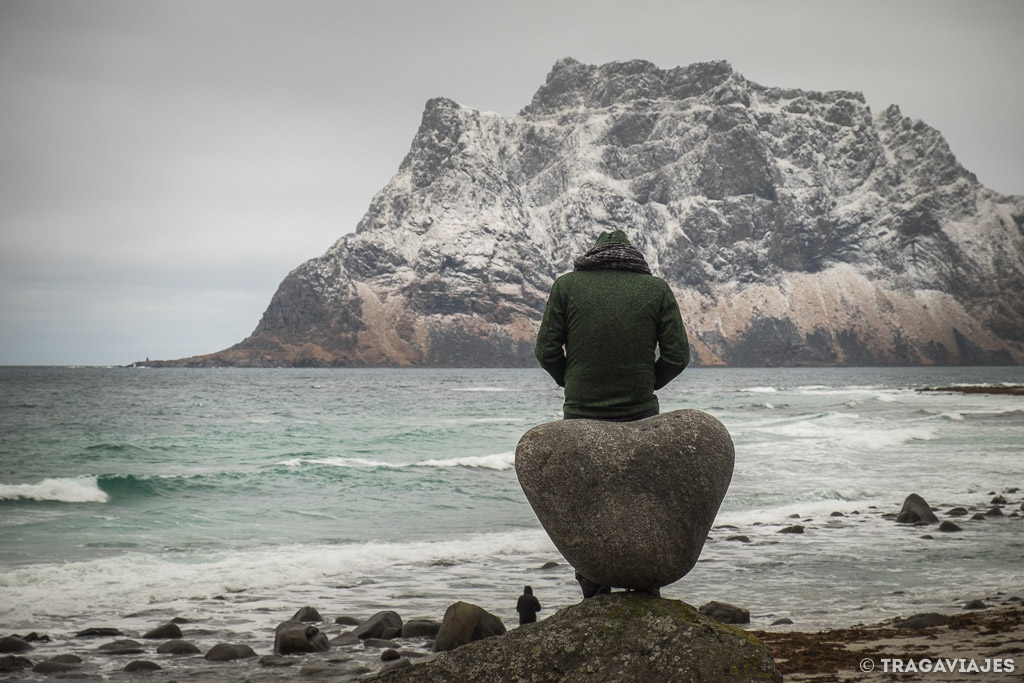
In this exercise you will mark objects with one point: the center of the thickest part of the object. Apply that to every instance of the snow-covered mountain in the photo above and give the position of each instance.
(795, 227)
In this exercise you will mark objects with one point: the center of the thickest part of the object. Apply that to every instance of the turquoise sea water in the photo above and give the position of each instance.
(129, 496)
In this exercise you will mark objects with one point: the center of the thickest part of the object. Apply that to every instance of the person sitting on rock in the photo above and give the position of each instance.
(527, 606)
(611, 336)
(602, 326)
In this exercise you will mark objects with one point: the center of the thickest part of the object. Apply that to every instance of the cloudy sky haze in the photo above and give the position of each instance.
(163, 165)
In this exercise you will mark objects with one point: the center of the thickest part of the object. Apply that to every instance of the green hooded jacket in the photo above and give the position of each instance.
(610, 322)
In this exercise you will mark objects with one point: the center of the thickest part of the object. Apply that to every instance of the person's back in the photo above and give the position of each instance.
(611, 315)
(527, 606)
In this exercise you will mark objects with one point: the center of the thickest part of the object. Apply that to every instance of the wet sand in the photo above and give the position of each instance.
(990, 638)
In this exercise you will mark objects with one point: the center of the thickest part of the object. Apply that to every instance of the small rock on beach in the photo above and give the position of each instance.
(14, 663)
(464, 623)
(421, 628)
(916, 509)
(177, 647)
(375, 626)
(99, 632)
(307, 614)
(52, 667)
(347, 621)
(14, 644)
(725, 613)
(926, 620)
(164, 632)
(294, 637)
(226, 652)
(122, 647)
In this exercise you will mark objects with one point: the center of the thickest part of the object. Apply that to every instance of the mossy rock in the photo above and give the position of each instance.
(616, 637)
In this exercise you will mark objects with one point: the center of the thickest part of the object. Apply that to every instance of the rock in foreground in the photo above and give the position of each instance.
(616, 637)
(628, 504)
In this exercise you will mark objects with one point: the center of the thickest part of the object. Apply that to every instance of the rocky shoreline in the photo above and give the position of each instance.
(311, 644)
(618, 636)
(977, 636)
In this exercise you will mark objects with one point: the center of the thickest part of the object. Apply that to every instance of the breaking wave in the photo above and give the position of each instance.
(72, 490)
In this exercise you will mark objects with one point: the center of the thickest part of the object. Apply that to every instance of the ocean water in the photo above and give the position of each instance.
(234, 497)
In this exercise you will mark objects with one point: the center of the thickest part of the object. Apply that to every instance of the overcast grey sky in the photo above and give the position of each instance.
(163, 165)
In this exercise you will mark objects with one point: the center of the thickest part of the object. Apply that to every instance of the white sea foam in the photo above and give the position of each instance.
(760, 390)
(813, 504)
(77, 490)
(821, 425)
(497, 389)
(886, 438)
(846, 430)
(860, 392)
(151, 579)
(339, 462)
(498, 461)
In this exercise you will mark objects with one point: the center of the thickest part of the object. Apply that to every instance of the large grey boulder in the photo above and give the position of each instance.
(616, 637)
(628, 504)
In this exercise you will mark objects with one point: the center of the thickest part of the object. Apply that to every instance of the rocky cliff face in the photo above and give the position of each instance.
(795, 227)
